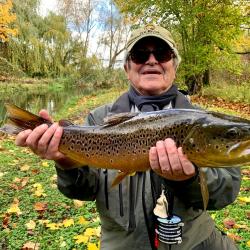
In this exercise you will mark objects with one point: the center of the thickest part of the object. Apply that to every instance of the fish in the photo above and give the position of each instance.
(208, 139)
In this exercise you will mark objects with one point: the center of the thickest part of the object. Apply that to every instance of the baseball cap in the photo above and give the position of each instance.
(153, 31)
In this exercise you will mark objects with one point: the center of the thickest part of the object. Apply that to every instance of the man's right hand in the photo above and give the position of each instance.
(43, 140)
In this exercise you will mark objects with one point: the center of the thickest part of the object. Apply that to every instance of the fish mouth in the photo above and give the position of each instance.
(240, 149)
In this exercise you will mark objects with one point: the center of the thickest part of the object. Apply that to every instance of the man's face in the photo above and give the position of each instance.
(151, 77)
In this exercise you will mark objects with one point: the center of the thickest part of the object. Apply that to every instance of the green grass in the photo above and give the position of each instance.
(230, 92)
(16, 162)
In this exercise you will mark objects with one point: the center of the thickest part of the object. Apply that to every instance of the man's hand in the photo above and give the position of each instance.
(169, 161)
(43, 140)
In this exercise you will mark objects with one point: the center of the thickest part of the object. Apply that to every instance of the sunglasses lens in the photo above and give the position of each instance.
(141, 56)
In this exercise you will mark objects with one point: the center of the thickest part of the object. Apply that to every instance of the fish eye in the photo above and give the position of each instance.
(232, 133)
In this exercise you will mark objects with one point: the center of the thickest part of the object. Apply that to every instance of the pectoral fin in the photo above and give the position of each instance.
(204, 188)
(120, 177)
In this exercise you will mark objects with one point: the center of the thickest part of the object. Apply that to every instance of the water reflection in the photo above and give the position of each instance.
(34, 102)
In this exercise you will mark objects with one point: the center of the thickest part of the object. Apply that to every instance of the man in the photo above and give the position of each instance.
(126, 211)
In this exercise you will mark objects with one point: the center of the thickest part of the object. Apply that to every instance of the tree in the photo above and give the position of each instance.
(204, 29)
(115, 32)
(7, 18)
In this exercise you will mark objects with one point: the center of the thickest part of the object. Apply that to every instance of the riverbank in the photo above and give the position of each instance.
(35, 213)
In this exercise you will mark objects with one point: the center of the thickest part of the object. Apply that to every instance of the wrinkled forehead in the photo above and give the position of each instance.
(151, 43)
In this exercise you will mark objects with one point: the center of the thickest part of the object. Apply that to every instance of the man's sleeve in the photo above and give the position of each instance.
(81, 183)
(223, 186)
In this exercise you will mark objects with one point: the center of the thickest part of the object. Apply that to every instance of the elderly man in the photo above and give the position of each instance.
(126, 211)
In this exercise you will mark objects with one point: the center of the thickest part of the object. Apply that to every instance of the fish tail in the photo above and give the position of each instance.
(19, 119)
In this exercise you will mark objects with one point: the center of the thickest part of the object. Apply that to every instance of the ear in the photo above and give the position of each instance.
(126, 67)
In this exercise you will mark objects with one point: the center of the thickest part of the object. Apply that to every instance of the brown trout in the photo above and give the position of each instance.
(122, 142)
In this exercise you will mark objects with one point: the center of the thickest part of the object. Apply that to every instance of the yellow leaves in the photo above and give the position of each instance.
(6, 18)
(87, 236)
(92, 246)
(68, 222)
(213, 216)
(53, 226)
(14, 209)
(248, 243)
(31, 225)
(38, 190)
(82, 221)
(81, 239)
(2, 174)
(244, 199)
(45, 164)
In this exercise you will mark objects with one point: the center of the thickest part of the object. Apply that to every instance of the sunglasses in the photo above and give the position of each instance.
(140, 56)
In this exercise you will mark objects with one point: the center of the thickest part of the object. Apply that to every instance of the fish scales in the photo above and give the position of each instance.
(119, 147)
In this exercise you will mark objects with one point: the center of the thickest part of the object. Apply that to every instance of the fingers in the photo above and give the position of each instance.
(54, 144)
(22, 137)
(45, 115)
(173, 156)
(188, 167)
(169, 161)
(43, 141)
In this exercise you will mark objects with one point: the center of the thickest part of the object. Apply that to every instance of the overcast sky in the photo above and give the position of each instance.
(47, 5)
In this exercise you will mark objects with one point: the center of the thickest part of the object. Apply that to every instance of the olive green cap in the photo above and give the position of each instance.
(153, 31)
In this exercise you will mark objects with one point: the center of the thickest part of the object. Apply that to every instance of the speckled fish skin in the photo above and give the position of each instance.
(208, 139)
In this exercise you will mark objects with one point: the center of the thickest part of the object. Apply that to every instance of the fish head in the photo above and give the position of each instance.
(218, 145)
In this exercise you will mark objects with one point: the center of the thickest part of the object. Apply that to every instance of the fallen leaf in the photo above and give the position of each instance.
(242, 226)
(31, 225)
(81, 239)
(6, 220)
(24, 168)
(68, 222)
(53, 226)
(44, 222)
(244, 199)
(78, 203)
(234, 237)
(90, 232)
(14, 209)
(40, 206)
(92, 246)
(246, 172)
(248, 214)
(82, 221)
(229, 223)
(45, 164)
(1, 174)
(30, 246)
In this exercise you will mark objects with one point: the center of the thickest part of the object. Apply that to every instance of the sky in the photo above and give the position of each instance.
(46, 6)
(51, 5)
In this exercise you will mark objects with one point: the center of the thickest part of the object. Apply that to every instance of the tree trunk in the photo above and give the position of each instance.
(194, 83)
(206, 77)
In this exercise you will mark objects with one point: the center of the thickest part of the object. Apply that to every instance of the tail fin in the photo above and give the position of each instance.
(19, 119)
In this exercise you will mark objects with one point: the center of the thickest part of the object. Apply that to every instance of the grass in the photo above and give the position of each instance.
(231, 92)
(35, 213)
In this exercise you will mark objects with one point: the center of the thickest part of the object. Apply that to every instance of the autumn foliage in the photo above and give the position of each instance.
(7, 18)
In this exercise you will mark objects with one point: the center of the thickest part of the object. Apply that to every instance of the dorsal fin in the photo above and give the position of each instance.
(65, 123)
(118, 118)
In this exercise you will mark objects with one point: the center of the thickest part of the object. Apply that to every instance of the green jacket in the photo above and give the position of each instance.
(126, 210)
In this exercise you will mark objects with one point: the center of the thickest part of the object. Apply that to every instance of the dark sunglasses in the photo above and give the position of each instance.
(140, 56)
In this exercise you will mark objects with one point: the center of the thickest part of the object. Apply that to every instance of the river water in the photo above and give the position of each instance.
(51, 101)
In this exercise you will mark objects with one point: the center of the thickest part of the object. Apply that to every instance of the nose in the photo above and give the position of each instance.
(151, 59)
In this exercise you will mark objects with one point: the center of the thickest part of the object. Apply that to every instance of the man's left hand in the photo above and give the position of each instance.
(169, 161)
